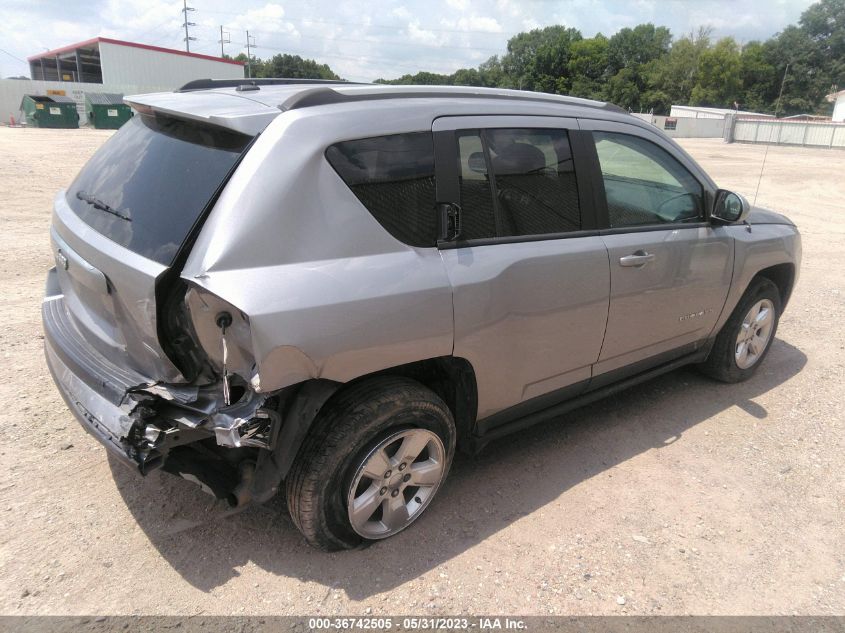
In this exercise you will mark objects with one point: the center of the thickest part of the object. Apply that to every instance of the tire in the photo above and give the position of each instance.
(356, 430)
(725, 362)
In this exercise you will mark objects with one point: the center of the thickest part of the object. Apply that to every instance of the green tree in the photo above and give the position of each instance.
(824, 23)
(294, 67)
(588, 67)
(538, 59)
(630, 48)
(672, 77)
(759, 78)
(630, 53)
(492, 72)
(806, 81)
(422, 78)
(624, 89)
(719, 78)
(641, 68)
(467, 77)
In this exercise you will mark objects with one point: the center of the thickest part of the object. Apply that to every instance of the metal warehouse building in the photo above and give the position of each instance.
(701, 112)
(107, 61)
(104, 65)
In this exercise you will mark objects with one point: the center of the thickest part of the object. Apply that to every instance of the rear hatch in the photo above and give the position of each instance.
(120, 226)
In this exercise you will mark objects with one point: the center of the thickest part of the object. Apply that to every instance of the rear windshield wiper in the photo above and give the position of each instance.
(102, 206)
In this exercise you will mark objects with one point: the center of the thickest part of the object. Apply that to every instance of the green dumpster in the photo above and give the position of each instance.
(106, 110)
(53, 111)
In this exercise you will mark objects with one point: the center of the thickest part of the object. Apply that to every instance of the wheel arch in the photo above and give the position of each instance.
(783, 276)
(451, 378)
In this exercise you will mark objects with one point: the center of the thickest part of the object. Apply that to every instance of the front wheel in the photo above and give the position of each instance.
(746, 337)
(372, 464)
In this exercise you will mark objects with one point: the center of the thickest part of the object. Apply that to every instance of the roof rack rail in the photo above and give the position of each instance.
(207, 84)
(324, 95)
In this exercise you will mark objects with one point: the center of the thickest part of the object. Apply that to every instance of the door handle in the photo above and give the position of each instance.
(640, 258)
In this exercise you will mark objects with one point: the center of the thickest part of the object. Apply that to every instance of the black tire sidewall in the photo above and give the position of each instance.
(722, 362)
(346, 471)
(363, 416)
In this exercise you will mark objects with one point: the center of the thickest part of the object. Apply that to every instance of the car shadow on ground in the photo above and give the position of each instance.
(207, 543)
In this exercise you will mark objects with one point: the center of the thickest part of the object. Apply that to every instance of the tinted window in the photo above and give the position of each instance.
(644, 184)
(393, 176)
(147, 185)
(535, 181)
(478, 218)
(532, 190)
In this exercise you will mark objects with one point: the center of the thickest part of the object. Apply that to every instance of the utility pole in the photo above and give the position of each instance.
(224, 40)
(249, 55)
(782, 84)
(186, 24)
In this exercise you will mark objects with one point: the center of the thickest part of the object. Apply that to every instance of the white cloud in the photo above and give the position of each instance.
(475, 23)
(266, 19)
(418, 34)
(364, 40)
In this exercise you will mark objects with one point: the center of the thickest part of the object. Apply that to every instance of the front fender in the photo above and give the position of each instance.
(759, 247)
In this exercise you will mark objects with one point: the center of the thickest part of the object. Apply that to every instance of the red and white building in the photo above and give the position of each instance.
(107, 65)
(104, 60)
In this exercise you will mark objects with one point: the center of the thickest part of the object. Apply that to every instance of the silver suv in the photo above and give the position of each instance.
(332, 287)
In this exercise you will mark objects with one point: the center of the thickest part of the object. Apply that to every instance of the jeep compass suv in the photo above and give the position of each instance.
(331, 287)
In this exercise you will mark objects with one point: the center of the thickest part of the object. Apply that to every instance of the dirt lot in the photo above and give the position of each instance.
(680, 496)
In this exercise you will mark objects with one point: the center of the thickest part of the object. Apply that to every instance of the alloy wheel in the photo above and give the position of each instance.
(754, 334)
(395, 482)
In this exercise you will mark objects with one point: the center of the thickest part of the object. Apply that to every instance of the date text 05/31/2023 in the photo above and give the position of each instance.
(417, 623)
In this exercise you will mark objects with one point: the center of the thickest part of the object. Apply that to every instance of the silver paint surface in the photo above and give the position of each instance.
(328, 293)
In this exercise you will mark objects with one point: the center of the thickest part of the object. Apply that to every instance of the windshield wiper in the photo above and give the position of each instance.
(102, 206)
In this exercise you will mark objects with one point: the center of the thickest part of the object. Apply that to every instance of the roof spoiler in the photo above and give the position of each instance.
(253, 84)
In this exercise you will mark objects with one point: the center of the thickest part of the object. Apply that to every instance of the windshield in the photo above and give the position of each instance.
(147, 186)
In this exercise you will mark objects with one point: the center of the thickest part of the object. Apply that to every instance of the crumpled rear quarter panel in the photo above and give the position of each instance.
(327, 291)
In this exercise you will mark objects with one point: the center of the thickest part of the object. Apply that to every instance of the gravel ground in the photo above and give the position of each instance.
(680, 496)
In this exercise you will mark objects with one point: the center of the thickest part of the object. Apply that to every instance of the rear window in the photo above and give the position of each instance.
(147, 185)
(393, 176)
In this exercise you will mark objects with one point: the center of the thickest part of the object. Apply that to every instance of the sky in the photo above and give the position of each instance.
(360, 40)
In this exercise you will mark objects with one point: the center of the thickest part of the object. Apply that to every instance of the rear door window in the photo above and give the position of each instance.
(147, 186)
(517, 182)
(393, 177)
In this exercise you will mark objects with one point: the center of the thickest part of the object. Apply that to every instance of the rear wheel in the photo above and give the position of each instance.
(746, 337)
(374, 460)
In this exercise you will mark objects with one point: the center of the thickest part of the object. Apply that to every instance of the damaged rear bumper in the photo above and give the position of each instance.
(99, 417)
(95, 390)
(145, 424)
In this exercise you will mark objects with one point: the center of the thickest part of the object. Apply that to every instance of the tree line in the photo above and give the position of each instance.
(646, 69)
(290, 66)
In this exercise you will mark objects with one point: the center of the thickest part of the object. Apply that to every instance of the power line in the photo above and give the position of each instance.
(392, 27)
(395, 43)
(481, 49)
(167, 22)
(366, 59)
(13, 56)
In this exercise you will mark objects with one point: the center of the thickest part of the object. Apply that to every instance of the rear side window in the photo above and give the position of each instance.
(148, 184)
(393, 177)
(517, 182)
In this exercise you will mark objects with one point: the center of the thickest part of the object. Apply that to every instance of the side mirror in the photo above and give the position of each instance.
(730, 207)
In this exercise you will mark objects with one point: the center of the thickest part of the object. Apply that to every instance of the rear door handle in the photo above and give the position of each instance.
(640, 258)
